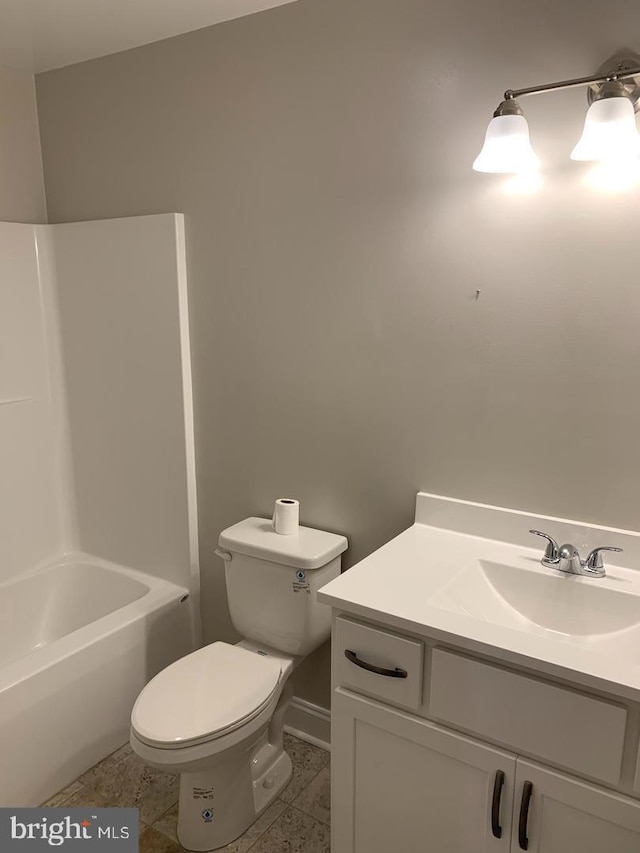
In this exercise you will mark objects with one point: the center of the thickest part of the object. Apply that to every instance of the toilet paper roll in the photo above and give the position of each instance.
(286, 516)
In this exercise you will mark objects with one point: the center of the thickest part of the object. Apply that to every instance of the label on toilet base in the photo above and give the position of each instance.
(203, 793)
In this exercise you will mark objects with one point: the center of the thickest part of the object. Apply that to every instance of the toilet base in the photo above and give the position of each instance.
(226, 784)
(217, 806)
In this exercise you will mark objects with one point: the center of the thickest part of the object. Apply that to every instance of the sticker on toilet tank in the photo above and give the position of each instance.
(300, 583)
(207, 816)
(203, 793)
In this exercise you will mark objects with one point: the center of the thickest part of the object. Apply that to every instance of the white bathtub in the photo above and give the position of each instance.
(78, 641)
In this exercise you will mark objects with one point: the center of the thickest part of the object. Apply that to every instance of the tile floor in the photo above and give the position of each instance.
(297, 821)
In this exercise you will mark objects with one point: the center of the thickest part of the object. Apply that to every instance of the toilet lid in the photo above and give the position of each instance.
(204, 695)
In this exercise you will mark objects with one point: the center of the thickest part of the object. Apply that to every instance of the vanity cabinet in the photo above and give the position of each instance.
(404, 779)
(481, 701)
(404, 784)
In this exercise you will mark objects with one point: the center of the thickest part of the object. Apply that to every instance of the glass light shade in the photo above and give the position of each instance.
(609, 131)
(507, 147)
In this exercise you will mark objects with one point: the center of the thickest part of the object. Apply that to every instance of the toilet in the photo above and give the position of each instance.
(216, 715)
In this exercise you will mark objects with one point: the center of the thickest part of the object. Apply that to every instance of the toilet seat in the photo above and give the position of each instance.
(205, 695)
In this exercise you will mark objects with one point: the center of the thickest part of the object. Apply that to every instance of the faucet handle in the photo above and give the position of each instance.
(594, 559)
(552, 552)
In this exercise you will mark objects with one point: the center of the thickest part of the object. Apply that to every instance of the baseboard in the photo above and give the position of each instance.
(309, 722)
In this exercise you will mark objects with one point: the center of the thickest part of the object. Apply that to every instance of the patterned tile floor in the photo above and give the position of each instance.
(297, 821)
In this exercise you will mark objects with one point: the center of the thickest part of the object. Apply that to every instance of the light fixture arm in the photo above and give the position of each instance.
(619, 75)
(612, 77)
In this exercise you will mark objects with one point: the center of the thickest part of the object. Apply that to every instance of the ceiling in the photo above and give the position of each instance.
(38, 35)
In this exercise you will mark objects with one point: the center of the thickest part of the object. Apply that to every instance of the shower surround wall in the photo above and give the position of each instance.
(96, 436)
(31, 428)
(122, 296)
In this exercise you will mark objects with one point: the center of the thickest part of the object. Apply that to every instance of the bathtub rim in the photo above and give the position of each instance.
(160, 593)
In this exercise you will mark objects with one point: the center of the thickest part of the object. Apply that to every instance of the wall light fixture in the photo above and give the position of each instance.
(609, 132)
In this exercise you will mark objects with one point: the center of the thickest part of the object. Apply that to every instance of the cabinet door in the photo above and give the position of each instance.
(568, 816)
(402, 784)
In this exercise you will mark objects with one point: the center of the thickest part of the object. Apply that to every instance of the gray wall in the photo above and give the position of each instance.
(336, 238)
(21, 184)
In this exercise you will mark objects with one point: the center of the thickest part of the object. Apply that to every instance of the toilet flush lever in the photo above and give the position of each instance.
(224, 555)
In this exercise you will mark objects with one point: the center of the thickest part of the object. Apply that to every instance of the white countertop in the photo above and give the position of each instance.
(405, 585)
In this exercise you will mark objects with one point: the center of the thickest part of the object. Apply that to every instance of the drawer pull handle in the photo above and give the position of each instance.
(495, 804)
(527, 791)
(390, 673)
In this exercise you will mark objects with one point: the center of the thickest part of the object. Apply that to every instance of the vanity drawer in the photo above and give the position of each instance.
(379, 650)
(527, 715)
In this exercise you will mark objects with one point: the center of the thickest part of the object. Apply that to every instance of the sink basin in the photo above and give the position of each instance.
(518, 597)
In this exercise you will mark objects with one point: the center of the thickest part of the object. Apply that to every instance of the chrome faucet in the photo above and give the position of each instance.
(566, 558)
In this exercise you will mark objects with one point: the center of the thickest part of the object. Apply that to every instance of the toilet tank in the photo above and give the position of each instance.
(272, 583)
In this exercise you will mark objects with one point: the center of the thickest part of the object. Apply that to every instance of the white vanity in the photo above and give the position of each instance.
(482, 701)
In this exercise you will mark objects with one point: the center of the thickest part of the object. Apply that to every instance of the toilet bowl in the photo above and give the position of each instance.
(216, 716)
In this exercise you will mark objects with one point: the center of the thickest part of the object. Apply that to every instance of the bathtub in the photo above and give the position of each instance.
(79, 639)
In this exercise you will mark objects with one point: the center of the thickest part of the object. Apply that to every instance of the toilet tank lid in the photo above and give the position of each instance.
(306, 549)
